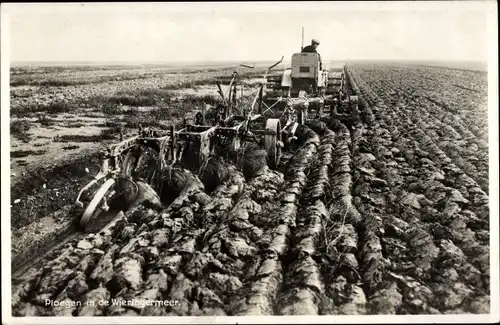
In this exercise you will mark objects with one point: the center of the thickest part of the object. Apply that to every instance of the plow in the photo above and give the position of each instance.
(227, 126)
(305, 91)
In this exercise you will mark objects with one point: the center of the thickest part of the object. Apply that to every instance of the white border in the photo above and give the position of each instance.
(268, 6)
(493, 160)
(334, 319)
(277, 6)
(5, 156)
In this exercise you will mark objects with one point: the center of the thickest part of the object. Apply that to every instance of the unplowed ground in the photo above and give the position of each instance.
(388, 217)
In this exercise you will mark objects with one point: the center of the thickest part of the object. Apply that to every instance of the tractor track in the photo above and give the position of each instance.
(377, 218)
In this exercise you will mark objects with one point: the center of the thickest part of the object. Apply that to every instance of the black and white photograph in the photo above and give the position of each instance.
(249, 162)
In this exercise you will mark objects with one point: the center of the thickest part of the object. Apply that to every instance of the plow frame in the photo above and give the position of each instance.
(116, 164)
(117, 161)
(240, 131)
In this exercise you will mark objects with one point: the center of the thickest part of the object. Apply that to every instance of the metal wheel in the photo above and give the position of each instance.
(272, 142)
(105, 192)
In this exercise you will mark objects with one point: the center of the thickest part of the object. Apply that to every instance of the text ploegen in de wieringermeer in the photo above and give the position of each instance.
(141, 303)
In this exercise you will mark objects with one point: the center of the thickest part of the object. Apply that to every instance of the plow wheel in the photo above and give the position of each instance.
(99, 201)
(272, 142)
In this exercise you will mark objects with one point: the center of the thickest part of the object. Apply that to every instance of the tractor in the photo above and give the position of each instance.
(306, 86)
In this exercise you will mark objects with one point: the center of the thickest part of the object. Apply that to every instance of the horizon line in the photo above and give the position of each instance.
(235, 61)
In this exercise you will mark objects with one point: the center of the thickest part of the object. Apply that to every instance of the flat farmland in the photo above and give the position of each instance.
(390, 216)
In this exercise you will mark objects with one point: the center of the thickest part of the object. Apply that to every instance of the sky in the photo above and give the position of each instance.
(187, 32)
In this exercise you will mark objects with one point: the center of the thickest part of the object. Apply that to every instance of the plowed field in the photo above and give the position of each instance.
(390, 216)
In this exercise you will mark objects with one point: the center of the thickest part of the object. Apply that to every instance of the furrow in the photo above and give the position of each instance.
(259, 294)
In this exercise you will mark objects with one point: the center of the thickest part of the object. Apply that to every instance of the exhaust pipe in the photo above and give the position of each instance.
(302, 46)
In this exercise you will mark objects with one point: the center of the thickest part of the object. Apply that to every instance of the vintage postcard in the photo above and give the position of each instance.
(275, 162)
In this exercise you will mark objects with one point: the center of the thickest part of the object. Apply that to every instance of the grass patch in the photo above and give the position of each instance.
(56, 107)
(162, 99)
(110, 105)
(29, 81)
(92, 115)
(110, 124)
(77, 138)
(131, 100)
(110, 133)
(223, 79)
(106, 134)
(134, 121)
(26, 153)
(74, 124)
(19, 127)
(113, 124)
(166, 107)
(192, 84)
(35, 79)
(196, 100)
(70, 147)
(45, 120)
(109, 109)
(152, 118)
